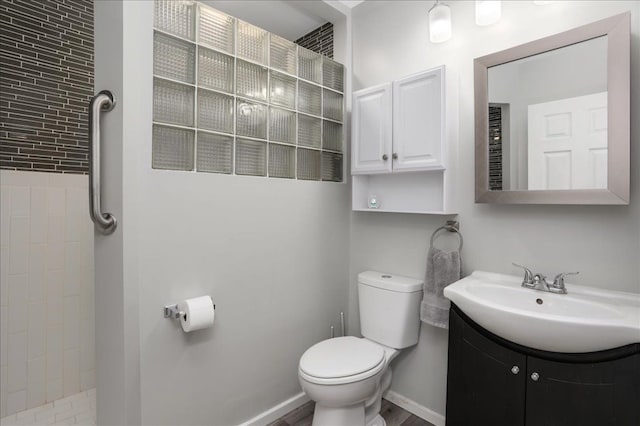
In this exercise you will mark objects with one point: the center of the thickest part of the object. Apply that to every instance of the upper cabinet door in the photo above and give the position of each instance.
(372, 130)
(418, 121)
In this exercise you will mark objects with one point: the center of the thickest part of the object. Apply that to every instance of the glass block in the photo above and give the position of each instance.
(216, 29)
(282, 54)
(308, 131)
(175, 17)
(309, 100)
(174, 58)
(282, 125)
(282, 161)
(331, 136)
(253, 42)
(215, 111)
(331, 167)
(283, 90)
(215, 70)
(308, 164)
(251, 80)
(332, 74)
(251, 119)
(309, 65)
(251, 157)
(215, 153)
(172, 102)
(332, 105)
(172, 148)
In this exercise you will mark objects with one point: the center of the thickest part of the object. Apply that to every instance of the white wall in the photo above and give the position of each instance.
(46, 298)
(603, 243)
(272, 253)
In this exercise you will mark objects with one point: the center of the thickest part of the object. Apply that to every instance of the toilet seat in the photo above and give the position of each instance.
(341, 360)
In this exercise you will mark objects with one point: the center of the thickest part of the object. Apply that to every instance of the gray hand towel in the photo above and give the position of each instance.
(443, 268)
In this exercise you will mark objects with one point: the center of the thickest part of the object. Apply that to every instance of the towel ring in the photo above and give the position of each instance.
(451, 226)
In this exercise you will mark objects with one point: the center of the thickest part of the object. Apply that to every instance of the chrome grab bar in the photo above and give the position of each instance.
(103, 101)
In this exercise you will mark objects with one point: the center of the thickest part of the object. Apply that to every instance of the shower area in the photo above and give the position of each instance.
(47, 365)
(225, 103)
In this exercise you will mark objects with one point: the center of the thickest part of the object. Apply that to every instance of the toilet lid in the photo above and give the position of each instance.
(342, 357)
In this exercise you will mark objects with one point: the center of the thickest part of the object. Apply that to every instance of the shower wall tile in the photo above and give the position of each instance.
(46, 59)
(19, 243)
(17, 362)
(47, 342)
(38, 228)
(16, 401)
(319, 40)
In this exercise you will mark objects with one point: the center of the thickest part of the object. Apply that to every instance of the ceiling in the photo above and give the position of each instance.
(288, 19)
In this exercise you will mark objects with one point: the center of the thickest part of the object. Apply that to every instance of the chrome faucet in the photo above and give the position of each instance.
(539, 281)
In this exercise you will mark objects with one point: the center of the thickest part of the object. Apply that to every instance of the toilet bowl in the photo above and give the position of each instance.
(346, 376)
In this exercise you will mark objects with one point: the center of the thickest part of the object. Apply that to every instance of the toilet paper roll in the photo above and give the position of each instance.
(198, 313)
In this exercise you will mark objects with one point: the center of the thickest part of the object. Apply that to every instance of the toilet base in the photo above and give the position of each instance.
(331, 416)
(377, 421)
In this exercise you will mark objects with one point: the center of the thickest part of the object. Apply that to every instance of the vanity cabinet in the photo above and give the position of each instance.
(404, 144)
(493, 381)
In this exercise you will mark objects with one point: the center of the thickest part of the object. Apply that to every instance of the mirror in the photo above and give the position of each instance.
(552, 119)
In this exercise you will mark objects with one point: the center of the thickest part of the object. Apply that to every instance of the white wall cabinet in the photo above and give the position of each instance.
(371, 141)
(404, 144)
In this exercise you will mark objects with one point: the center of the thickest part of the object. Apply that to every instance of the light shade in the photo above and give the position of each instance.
(439, 23)
(488, 12)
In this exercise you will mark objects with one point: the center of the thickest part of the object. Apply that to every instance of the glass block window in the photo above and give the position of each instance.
(215, 153)
(251, 157)
(231, 98)
(282, 161)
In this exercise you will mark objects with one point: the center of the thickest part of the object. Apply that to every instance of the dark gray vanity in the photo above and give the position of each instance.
(492, 381)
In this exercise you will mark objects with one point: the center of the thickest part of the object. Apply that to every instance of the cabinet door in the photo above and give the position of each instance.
(418, 121)
(485, 382)
(372, 130)
(603, 393)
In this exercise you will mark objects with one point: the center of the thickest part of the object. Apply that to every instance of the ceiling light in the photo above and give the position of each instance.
(439, 23)
(488, 12)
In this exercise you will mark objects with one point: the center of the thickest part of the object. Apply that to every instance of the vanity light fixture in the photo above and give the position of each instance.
(439, 22)
(488, 12)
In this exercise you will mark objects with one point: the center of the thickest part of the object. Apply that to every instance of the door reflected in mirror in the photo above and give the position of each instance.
(548, 120)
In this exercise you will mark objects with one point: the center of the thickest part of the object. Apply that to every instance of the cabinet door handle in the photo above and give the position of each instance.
(385, 157)
(535, 376)
(394, 156)
(515, 369)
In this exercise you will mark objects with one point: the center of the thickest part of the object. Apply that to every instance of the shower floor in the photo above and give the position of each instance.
(78, 409)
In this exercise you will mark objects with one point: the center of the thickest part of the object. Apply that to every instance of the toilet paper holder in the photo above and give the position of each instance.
(172, 311)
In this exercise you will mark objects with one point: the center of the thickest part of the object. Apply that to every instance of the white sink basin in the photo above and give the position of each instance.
(584, 320)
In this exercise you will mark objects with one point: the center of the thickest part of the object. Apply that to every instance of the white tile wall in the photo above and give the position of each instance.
(78, 409)
(47, 343)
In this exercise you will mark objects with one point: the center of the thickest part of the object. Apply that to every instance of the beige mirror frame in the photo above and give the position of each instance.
(617, 30)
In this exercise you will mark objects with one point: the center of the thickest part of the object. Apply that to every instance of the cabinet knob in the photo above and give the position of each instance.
(535, 376)
(394, 156)
(515, 369)
(385, 157)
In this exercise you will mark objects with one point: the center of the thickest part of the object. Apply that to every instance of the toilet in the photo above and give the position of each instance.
(346, 376)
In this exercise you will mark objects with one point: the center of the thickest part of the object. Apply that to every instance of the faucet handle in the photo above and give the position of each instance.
(528, 275)
(558, 281)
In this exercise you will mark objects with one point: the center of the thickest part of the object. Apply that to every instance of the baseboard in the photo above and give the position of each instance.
(414, 408)
(274, 413)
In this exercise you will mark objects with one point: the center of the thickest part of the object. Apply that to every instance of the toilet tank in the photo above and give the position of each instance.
(389, 308)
